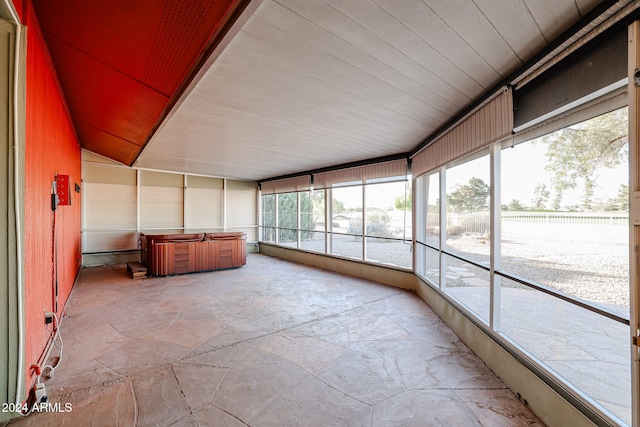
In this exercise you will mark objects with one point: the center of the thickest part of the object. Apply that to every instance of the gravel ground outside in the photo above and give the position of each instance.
(590, 262)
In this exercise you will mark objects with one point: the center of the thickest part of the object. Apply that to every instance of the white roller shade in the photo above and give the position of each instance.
(287, 185)
(586, 110)
(204, 200)
(161, 201)
(241, 208)
(361, 174)
(110, 241)
(491, 123)
(110, 208)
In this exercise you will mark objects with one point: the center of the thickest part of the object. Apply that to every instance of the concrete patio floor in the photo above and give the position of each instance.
(270, 344)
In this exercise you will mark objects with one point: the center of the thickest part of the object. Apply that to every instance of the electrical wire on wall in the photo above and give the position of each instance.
(54, 246)
(36, 370)
(48, 369)
(40, 392)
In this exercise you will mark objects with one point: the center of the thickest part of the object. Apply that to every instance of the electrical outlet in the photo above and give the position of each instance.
(48, 317)
(40, 393)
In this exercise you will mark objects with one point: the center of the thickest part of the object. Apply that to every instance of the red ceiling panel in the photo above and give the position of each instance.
(121, 63)
(104, 97)
(106, 144)
(119, 33)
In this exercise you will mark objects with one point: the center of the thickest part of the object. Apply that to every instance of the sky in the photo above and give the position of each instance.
(526, 162)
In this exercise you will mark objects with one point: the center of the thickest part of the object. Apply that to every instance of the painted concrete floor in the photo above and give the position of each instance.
(270, 344)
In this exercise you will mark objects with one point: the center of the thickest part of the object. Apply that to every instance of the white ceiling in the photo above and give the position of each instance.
(306, 84)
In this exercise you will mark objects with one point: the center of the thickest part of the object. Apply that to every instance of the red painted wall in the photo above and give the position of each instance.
(51, 147)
